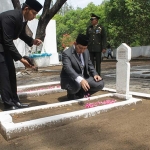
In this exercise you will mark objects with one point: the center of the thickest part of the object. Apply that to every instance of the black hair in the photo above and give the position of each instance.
(24, 5)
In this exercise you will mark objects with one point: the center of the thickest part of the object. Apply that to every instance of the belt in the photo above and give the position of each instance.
(1, 48)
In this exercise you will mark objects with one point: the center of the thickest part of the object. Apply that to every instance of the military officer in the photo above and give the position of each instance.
(12, 26)
(97, 41)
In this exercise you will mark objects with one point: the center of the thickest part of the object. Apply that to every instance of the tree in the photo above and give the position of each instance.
(64, 9)
(67, 40)
(47, 14)
(128, 22)
(16, 4)
(76, 21)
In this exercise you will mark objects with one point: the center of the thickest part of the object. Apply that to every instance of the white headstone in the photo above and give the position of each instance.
(50, 45)
(123, 71)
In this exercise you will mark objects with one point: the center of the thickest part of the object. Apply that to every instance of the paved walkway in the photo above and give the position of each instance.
(137, 83)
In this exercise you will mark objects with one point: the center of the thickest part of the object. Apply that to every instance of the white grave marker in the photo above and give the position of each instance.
(123, 71)
(50, 44)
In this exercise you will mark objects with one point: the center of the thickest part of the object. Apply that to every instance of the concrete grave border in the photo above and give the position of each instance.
(39, 92)
(47, 91)
(12, 130)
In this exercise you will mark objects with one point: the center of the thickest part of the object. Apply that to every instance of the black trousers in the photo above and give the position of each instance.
(73, 87)
(96, 60)
(8, 84)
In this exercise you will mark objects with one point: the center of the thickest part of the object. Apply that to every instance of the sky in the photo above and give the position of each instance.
(79, 3)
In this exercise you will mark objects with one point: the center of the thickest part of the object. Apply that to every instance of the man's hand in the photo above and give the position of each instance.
(85, 85)
(37, 42)
(97, 78)
(104, 51)
(25, 62)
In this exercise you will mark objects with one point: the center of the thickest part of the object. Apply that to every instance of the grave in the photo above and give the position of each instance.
(10, 129)
(123, 71)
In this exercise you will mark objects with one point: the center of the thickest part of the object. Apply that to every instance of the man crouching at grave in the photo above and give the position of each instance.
(78, 75)
(12, 26)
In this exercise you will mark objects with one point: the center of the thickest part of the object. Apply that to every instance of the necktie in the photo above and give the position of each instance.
(79, 58)
(81, 64)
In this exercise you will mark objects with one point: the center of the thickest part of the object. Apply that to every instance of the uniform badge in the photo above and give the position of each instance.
(98, 30)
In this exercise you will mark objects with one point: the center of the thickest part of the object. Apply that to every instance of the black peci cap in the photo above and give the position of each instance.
(82, 39)
(93, 16)
(34, 4)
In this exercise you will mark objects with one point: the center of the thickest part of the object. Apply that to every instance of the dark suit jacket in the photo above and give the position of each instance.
(12, 27)
(72, 66)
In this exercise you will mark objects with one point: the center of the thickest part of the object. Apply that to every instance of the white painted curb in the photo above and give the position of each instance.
(47, 106)
(132, 93)
(39, 92)
(48, 91)
(12, 130)
(38, 85)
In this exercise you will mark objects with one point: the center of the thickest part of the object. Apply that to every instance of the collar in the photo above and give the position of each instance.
(75, 50)
(74, 46)
(24, 19)
(95, 25)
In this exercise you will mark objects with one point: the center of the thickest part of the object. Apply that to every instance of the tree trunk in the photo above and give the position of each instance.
(16, 4)
(46, 16)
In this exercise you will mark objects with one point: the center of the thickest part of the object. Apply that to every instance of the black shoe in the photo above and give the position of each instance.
(72, 96)
(11, 108)
(81, 93)
(19, 105)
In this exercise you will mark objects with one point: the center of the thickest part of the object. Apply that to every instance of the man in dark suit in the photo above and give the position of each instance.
(78, 75)
(97, 41)
(12, 26)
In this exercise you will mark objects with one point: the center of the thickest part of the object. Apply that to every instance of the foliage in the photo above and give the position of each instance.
(128, 21)
(67, 40)
(38, 16)
(75, 22)
(125, 21)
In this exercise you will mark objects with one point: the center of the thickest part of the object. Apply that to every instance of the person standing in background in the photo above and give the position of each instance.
(97, 41)
(109, 51)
